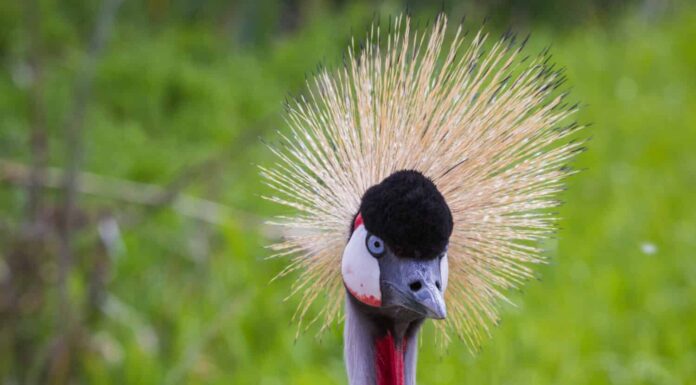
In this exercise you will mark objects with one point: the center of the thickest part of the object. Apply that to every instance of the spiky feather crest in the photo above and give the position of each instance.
(484, 125)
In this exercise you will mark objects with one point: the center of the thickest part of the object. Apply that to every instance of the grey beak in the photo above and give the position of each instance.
(412, 285)
(421, 297)
(431, 301)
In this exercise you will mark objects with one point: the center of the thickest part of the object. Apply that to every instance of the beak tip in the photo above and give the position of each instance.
(429, 302)
(435, 305)
(438, 313)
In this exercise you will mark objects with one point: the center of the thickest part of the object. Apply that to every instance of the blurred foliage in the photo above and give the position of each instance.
(180, 97)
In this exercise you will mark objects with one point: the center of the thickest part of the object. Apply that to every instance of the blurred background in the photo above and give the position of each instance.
(132, 230)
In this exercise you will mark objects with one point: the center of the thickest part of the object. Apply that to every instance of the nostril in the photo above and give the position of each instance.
(415, 286)
(437, 284)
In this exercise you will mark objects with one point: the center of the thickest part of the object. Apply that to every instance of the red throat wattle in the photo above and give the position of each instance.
(389, 360)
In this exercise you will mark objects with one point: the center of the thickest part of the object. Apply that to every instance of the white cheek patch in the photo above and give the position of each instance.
(444, 272)
(361, 270)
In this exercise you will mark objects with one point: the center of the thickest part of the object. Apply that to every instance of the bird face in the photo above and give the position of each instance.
(376, 276)
(396, 258)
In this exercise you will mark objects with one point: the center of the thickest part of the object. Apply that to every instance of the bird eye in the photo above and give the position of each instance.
(375, 246)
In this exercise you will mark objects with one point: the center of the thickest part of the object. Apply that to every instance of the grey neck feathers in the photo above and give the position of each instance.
(359, 338)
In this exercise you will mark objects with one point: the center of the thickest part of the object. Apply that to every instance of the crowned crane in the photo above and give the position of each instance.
(422, 173)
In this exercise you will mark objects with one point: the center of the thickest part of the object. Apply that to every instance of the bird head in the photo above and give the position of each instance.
(395, 262)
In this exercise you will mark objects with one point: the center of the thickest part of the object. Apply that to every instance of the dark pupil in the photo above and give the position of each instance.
(377, 244)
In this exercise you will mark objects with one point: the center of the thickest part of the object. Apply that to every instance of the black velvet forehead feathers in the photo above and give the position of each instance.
(408, 212)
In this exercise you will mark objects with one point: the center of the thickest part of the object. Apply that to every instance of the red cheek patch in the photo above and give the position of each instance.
(358, 221)
(366, 299)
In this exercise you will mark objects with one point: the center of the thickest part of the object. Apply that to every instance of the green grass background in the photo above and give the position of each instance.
(190, 303)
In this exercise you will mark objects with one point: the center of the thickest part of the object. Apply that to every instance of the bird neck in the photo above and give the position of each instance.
(378, 350)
